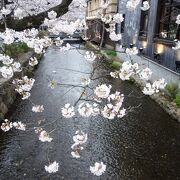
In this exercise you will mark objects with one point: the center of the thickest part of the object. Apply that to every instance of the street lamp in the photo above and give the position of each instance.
(156, 56)
(131, 45)
(177, 65)
(141, 50)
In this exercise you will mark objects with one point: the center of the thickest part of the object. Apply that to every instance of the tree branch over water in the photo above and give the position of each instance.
(35, 20)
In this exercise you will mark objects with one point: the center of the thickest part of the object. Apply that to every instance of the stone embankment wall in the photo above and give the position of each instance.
(7, 93)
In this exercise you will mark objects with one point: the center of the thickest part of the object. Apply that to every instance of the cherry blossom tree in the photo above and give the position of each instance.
(28, 13)
(102, 102)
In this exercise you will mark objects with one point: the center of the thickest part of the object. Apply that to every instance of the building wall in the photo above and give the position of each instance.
(94, 23)
(94, 5)
(131, 35)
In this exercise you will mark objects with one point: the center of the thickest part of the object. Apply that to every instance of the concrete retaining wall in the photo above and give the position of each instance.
(158, 70)
(7, 92)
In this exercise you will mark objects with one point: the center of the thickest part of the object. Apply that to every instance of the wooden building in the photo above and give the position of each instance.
(93, 19)
(153, 30)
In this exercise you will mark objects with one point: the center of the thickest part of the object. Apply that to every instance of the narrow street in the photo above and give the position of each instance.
(145, 144)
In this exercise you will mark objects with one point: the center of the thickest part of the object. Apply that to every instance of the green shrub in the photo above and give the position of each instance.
(41, 34)
(116, 65)
(16, 48)
(177, 100)
(111, 53)
(131, 80)
(172, 90)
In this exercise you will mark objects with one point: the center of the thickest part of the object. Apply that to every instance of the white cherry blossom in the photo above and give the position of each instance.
(85, 109)
(44, 136)
(121, 113)
(76, 147)
(6, 125)
(80, 137)
(125, 75)
(96, 110)
(102, 91)
(19, 13)
(6, 60)
(109, 111)
(118, 18)
(177, 47)
(52, 15)
(178, 19)
(19, 125)
(68, 111)
(25, 95)
(90, 56)
(132, 51)
(114, 74)
(117, 98)
(159, 84)
(149, 90)
(132, 4)
(8, 39)
(98, 169)
(75, 154)
(145, 6)
(115, 37)
(16, 66)
(7, 72)
(127, 70)
(145, 74)
(23, 86)
(5, 11)
(107, 18)
(33, 61)
(52, 168)
(38, 108)
(164, 34)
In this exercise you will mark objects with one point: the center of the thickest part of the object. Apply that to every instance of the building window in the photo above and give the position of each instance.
(90, 6)
(168, 11)
(144, 22)
(123, 24)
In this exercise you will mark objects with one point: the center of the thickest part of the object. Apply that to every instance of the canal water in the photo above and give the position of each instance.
(144, 145)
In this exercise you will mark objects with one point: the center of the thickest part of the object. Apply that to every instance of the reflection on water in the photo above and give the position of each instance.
(143, 145)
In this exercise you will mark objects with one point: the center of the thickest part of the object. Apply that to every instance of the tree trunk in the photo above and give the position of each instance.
(36, 20)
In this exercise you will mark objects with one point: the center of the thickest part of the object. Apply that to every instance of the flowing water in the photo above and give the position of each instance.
(145, 144)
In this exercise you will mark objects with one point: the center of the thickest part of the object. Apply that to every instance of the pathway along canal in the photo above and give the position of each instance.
(145, 144)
